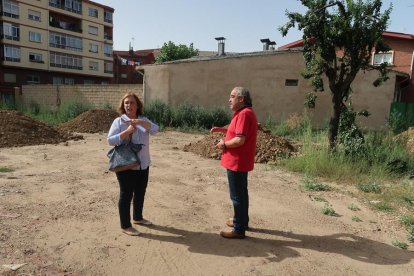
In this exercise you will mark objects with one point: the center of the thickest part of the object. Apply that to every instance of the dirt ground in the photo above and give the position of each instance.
(58, 216)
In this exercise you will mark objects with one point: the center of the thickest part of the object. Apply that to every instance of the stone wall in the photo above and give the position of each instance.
(53, 96)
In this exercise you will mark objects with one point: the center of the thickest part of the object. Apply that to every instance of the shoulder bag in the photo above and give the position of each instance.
(124, 157)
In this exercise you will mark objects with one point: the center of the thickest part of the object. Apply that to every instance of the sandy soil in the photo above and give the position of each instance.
(58, 215)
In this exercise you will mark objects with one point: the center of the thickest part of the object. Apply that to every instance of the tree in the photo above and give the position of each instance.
(169, 51)
(339, 39)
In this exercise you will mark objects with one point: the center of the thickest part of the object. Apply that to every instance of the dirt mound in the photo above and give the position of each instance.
(268, 148)
(19, 130)
(91, 121)
(407, 136)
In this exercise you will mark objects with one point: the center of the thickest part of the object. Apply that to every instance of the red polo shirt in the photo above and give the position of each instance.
(241, 159)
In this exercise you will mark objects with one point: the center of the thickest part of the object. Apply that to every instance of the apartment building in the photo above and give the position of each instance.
(54, 42)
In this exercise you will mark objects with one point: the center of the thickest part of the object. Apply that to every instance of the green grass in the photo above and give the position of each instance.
(356, 219)
(310, 184)
(400, 244)
(370, 187)
(328, 210)
(320, 199)
(5, 169)
(353, 207)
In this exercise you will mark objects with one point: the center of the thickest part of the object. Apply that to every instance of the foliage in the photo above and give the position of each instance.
(354, 27)
(353, 207)
(370, 187)
(169, 51)
(187, 116)
(356, 219)
(310, 184)
(350, 136)
(397, 122)
(328, 210)
(400, 244)
(5, 169)
(320, 199)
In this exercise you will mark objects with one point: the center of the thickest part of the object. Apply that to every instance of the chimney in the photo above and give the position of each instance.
(265, 42)
(272, 45)
(220, 46)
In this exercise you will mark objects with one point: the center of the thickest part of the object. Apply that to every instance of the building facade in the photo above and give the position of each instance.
(54, 42)
(400, 59)
(125, 63)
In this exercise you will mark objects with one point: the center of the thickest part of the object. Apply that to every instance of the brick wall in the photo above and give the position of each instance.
(53, 96)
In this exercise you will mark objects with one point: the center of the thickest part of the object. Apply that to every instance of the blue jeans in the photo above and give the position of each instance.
(239, 195)
(132, 185)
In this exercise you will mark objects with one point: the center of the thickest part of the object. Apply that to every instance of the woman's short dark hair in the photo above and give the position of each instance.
(244, 92)
(140, 106)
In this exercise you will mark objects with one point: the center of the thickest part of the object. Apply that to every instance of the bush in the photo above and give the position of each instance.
(187, 116)
(71, 110)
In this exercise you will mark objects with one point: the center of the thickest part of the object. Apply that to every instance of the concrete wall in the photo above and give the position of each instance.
(209, 82)
(53, 96)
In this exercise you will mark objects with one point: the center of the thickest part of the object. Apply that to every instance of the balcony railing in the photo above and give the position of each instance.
(62, 6)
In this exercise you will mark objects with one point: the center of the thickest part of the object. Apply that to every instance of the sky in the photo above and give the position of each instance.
(151, 23)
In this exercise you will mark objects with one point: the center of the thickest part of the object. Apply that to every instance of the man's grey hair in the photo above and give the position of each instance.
(244, 92)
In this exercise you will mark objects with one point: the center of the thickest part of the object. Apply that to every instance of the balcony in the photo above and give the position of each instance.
(71, 6)
(65, 24)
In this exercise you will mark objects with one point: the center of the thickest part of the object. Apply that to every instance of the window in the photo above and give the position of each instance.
(124, 76)
(379, 58)
(9, 77)
(93, 12)
(108, 67)
(93, 30)
(64, 41)
(291, 82)
(88, 82)
(10, 9)
(34, 15)
(65, 61)
(35, 37)
(108, 50)
(11, 53)
(35, 57)
(57, 80)
(69, 81)
(33, 79)
(108, 16)
(93, 48)
(10, 31)
(93, 65)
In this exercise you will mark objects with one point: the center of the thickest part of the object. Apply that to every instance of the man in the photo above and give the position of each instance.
(239, 149)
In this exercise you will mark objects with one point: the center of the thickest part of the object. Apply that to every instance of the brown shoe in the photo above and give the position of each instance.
(229, 223)
(232, 235)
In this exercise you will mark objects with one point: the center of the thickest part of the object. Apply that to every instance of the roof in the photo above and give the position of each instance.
(299, 43)
(145, 52)
(227, 56)
(100, 5)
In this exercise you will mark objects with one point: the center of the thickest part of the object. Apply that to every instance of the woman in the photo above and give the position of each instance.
(132, 183)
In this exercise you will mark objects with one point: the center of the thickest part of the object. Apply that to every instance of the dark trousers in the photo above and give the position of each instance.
(239, 195)
(132, 184)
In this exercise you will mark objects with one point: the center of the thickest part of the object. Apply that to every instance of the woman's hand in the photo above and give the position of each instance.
(141, 122)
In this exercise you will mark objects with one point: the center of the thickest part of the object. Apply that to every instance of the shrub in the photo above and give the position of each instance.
(353, 207)
(328, 210)
(400, 244)
(371, 187)
(310, 184)
(70, 110)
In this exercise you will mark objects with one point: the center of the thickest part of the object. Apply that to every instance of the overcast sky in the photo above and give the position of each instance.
(149, 24)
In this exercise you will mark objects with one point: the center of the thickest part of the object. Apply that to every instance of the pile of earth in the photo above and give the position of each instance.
(269, 147)
(20, 130)
(91, 121)
(408, 137)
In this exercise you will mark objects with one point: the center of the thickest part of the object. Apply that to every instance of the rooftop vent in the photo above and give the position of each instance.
(267, 44)
(220, 46)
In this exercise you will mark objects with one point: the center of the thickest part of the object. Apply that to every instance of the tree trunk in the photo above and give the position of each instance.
(334, 121)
